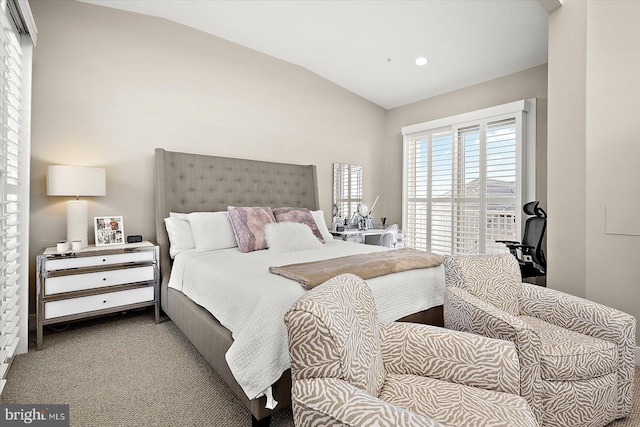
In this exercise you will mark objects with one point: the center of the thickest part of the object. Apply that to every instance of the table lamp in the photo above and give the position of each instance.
(76, 181)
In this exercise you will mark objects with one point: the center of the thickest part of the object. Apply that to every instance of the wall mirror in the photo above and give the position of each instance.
(347, 191)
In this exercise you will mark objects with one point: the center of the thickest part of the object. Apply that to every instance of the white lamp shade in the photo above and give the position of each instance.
(76, 181)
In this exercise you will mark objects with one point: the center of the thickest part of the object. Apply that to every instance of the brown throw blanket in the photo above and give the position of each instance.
(312, 274)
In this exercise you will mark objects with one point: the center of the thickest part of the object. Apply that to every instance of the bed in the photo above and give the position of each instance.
(199, 183)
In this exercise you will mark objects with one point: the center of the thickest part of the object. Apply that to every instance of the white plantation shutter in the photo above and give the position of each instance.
(467, 180)
(439, 194)
(502, 204)
(417, 155)
(464, 182)
(15, 79)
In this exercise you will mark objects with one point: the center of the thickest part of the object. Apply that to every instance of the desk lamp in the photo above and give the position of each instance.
(365, 214)
(76, 181)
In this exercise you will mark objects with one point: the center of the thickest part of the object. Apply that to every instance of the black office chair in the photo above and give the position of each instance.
(529, 253)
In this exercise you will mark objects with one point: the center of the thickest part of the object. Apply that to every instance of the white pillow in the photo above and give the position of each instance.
(212, 230)
(290, 237)
(180, 235)
(178, 215)
(318, 216)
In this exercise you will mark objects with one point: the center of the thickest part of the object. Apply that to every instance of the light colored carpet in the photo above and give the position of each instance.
(127, 371)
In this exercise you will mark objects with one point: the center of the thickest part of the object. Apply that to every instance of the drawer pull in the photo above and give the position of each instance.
(104, 260)
(104, 301)
(104, 279)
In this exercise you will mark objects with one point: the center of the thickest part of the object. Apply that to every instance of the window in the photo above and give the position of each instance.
(466, 178)
(15, 88)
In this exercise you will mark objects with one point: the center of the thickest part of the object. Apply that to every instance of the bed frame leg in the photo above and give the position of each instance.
(260, 423)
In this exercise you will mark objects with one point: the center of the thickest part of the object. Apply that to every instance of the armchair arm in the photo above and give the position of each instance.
(452, 356)
(464, 312)
(577, 314)
(521, 246)
(592, 319)
(334, 402)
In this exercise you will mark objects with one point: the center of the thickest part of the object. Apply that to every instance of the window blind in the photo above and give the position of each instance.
(464, 184)
(14, 171)
(501, 211)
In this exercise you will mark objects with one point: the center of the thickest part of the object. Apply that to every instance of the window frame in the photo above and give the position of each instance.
(524, 113)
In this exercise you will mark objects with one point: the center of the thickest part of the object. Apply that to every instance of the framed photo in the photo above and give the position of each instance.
(109, 230)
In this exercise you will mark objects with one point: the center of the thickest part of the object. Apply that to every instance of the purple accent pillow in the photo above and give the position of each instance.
(301, 215)
(248, 226)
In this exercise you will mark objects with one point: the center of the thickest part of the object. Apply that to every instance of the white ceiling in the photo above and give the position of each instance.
(369, 47)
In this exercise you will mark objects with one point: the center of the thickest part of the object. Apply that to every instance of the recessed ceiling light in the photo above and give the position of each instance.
(421, 61)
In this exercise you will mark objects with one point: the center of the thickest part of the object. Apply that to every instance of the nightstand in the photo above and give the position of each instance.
(94, 281)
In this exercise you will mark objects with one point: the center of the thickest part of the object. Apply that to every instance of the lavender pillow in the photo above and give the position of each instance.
(301, 215)
(248, 226)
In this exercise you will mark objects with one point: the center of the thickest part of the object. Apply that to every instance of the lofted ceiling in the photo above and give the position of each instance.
(370, 47)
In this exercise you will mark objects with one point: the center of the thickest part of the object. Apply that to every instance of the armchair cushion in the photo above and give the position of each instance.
(453, 356)
(455, 404)
(570, 356)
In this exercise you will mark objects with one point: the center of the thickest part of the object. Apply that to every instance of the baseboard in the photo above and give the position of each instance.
(637, 356)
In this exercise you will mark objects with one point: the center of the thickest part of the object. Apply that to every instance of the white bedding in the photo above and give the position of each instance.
(239, 291)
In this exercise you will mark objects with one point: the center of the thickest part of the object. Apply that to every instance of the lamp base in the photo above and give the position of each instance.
(77, 221)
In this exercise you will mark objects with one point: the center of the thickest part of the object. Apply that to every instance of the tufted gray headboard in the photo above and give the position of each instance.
(199, 183)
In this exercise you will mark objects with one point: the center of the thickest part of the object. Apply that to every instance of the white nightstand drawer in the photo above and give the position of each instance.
(90, 303)
(92, 261)
(78, 282)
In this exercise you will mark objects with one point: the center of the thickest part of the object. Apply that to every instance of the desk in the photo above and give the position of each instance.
(369, 237)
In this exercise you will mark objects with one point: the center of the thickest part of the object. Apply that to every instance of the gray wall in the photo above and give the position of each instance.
(594, 150)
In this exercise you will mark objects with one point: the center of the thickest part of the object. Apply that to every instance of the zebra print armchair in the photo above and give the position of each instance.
(348, 369)
(577, 357)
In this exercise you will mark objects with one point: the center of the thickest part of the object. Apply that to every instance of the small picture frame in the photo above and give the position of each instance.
(109, 230)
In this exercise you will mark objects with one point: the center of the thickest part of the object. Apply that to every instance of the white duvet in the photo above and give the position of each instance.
(239, 291)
